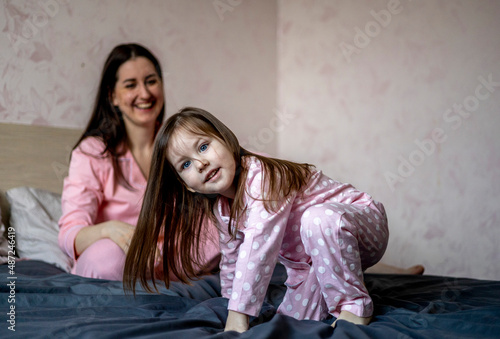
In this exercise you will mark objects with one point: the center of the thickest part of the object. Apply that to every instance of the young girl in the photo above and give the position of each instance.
(324, 232)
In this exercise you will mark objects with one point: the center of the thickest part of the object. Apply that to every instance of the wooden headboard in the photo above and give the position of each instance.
(35, 156)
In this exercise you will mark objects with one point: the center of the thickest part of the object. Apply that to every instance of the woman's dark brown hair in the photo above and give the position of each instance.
(169, 207)
(106, 121)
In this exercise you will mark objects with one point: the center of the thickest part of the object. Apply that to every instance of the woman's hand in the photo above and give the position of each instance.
(120, 232)
(236, 322)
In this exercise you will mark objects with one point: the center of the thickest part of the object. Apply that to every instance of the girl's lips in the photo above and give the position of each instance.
(212, 174)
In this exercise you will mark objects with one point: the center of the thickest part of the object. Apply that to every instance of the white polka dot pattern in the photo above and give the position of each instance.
(329, 234)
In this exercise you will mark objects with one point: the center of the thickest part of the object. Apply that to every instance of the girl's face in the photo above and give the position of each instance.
(138, 92)
(203, 162)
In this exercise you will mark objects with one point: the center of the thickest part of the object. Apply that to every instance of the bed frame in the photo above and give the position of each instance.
(35, 156)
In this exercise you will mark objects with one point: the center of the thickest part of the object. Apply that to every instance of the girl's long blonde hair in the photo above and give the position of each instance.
(169, 207)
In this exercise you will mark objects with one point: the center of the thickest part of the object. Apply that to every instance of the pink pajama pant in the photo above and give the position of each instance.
(339, 242)
(104, 259)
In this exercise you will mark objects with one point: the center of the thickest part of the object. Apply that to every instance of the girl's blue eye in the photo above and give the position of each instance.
(203, 147)
(186, 164)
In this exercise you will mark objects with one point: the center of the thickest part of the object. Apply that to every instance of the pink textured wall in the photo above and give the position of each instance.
(402, 99)
(219, 57)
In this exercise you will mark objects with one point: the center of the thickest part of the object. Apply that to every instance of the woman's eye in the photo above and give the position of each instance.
(152, 82)
(203, 147)
(186, 164)
(129, 86)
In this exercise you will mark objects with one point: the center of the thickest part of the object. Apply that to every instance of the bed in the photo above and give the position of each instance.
(40, 299)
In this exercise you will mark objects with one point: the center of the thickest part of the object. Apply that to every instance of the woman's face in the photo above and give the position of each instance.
(138, 92)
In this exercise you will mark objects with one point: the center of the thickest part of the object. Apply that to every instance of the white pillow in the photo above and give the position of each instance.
(34, 214)
(4, 245)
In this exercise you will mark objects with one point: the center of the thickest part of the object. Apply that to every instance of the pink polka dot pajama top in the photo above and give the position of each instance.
(325, 236)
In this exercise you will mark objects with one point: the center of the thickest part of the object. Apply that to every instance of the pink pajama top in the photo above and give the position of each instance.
(263, 238)
(92, 195)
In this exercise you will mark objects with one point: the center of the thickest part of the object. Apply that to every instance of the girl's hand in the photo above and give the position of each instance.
(348, 316)
(236, 322)
(120, 232)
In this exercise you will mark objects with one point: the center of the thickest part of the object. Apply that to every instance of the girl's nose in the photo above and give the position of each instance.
(202, 164)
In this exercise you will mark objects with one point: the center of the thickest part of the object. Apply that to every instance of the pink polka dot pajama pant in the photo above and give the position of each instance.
(340, 241)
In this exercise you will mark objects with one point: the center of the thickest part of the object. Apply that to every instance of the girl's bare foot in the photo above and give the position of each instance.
(416, 269)
(380, 268)
(348, 316)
